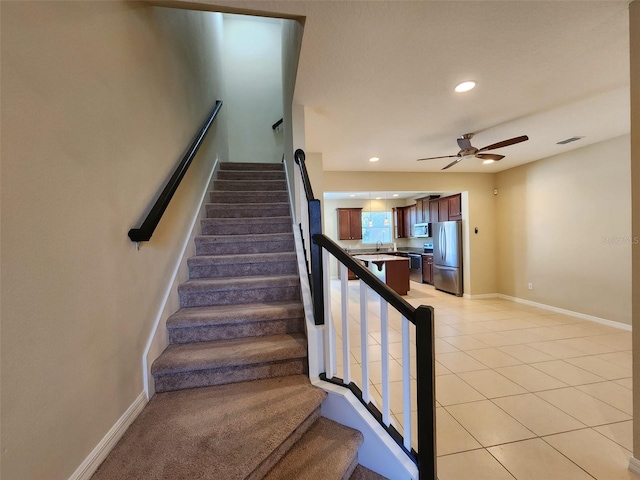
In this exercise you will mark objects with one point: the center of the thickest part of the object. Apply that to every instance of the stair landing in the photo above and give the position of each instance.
(229, 432)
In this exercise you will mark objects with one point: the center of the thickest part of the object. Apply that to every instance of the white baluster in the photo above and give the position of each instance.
(344, 288)
(384, 339)
(406, 384)
(330, 347)
(364, 336)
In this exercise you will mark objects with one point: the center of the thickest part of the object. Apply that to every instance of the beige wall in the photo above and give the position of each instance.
(564, 225)
(634, 24)
(479, 273)
(99, 100)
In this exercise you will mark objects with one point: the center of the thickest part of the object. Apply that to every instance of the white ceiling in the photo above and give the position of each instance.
(376, 78)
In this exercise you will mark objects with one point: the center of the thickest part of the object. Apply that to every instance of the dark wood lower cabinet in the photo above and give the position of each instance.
(427, 269)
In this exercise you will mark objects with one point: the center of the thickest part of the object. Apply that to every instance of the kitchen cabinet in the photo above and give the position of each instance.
(433, 211)
(422, 210)
(349, 223)
(413, 217)
(455, 207)
(398, 222)
(423, 213)
(390, 269)
(443, 209)
(406, 219)
(427, 268)
(409, 217)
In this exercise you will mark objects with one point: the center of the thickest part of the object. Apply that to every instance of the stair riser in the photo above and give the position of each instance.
(213, 248)
(243, 269)
(212, 226)
(249, 186)
(253, 175)
(239, 296)
(247, 211)
(222, 376)
(211, 333)
(275, 196)
(251, 166)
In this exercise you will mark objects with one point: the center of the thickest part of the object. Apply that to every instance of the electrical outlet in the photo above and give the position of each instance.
(530, 286)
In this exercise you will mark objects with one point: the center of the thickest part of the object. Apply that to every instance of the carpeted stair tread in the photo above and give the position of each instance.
(226, 322)
(265, 237)
(217, 266)
(251, 166)
(190, 357)
(246, 225)
(363, 473)
(230, 197)
(245, 243)
(231, 314)
(249, 185)
(242, 258)
(247, 210)
(251, 175)
(327, 451)
(229, 432)
(238, 283)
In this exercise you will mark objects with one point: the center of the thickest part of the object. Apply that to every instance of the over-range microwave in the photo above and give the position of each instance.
(421, 230)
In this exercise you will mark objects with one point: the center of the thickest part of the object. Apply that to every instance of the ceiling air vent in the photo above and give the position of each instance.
(569, 140)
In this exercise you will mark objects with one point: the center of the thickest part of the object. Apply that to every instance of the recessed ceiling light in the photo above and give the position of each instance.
(465, 86)
(488, 161)
(378, 198)
(374, 159)
(395, 195)
(352, 195)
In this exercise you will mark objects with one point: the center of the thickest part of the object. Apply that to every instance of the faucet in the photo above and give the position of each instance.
(378, 245)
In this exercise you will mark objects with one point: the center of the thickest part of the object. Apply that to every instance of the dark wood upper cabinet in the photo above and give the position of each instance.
(433, 211)
(398, 222)
(350, 223)
(413, 216)
(443, 210)
(455, 207)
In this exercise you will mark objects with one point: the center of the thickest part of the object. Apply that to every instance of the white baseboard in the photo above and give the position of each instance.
(480, 296)
(90, 464)
(583, 316)
(634, 465)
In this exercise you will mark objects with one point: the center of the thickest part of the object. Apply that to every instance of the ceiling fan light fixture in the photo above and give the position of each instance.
(465, 86)
(374, 159)
(488, 161)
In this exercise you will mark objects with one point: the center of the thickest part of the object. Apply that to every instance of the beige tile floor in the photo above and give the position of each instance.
(521, 392)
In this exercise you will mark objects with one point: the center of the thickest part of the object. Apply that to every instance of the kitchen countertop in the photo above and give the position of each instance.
(379, 257)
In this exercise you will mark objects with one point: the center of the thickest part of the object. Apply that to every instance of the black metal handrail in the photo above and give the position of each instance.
(145, 231)
(277, 124)
(315, 228)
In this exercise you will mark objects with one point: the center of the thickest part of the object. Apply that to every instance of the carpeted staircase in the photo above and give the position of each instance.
(240, 337)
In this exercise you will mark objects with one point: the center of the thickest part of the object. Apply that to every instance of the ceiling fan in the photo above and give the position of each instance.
(467, 150)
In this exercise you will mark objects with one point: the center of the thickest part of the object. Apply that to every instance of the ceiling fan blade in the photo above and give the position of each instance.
(505, 143)
(434, 158)
(490, 156)
(453, 163)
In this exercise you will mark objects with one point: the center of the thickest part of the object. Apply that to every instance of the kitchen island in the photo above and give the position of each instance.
(390, 269)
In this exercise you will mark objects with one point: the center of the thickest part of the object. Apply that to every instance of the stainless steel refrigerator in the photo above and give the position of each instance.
(447, 257)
